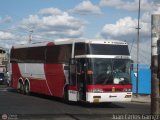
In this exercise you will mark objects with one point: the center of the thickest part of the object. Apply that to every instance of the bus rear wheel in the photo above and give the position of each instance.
(26, 88)
(21, 88)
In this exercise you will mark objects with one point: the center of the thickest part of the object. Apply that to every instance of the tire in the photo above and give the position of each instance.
(26, 88)
(65, 96)
(21, 88)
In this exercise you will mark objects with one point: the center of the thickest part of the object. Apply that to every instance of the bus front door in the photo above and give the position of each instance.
(72, 91)
(81, 84)
(77, 89)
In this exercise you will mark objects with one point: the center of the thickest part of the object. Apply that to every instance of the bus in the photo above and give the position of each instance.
(89, 70)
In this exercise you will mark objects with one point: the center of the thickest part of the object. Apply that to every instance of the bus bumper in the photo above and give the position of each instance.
(108, 97)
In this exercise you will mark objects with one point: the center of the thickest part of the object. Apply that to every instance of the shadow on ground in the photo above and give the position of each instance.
(82, 104)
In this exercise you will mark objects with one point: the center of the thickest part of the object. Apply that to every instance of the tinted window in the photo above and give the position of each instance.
(48, 54)
(58, 54)
(105, 49)
(101, 49)
(80, 49)
(1, 75)
(28, 55)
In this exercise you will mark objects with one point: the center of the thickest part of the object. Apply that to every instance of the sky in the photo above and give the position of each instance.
(53, 19)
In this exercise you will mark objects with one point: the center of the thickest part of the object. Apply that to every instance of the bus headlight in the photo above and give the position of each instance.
(127, 90)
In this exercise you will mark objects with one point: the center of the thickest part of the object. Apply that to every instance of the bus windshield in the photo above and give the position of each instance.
(109, 71)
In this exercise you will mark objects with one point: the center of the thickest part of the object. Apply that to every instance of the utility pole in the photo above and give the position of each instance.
(138, 28)
(155, 37)
(30, 35)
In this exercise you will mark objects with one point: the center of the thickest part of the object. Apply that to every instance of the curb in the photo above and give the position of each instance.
(141, 99)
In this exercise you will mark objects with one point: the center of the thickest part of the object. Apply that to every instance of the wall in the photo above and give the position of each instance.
(144, 83)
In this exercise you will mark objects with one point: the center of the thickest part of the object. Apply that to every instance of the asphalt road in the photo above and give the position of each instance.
(37, 107)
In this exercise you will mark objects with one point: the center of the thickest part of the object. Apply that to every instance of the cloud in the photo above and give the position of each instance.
(6, 19)
(157, 10)
(125, 28)
(50, 11)
(47, 24)
(86, 8)
(146, 5)
(6, 35)
(54, 22)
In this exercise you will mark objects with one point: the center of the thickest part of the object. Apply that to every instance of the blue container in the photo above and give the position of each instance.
(144, 82)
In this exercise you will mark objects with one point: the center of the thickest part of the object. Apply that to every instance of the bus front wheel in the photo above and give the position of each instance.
(65, 96)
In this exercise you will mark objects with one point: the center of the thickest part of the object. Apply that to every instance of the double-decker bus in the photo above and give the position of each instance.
(73, 69)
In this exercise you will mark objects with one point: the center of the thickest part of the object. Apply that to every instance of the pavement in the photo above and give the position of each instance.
(141, 98)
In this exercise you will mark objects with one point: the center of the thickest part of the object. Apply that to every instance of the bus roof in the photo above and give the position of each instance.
(71, 41)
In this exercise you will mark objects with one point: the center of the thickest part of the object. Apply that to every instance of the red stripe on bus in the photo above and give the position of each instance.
(50, 44)
(55, 78)
(39, 86)
(73, 88)
(16, 74)
(109, 88)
